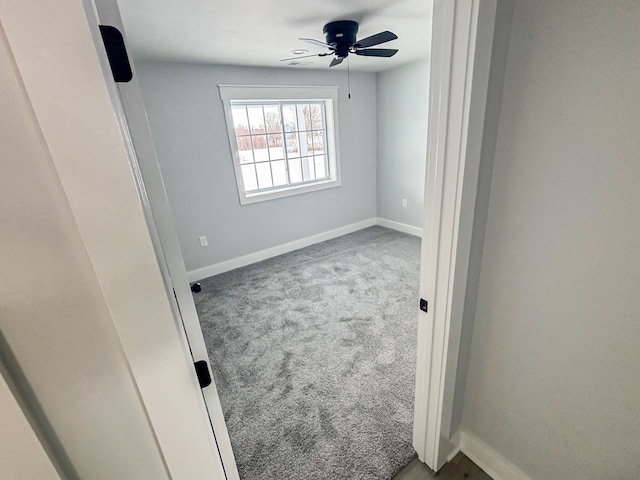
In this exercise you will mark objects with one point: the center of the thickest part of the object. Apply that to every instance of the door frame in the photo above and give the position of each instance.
(462, 34)
(131, 115)
(462, 37)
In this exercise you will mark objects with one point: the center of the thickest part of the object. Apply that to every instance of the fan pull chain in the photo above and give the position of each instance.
(348, 79)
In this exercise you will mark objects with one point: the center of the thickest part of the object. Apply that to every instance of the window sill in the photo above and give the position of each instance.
(249, 198)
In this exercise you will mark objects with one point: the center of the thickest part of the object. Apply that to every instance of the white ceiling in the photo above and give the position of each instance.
(262, 32)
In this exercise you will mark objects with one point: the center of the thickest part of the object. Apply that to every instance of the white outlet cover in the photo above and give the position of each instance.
(203, 241)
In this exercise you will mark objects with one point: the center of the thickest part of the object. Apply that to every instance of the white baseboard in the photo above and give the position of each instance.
(227, 265)
(489, 460)
(204, 272)
(453, 454)
(401, 227)
(453, 446)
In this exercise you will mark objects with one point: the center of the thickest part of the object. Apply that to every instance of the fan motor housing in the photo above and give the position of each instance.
(341, 34)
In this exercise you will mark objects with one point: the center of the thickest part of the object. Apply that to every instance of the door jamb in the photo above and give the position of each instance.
(462, 35)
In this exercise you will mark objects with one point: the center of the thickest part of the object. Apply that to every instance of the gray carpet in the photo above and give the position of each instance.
(314, 357)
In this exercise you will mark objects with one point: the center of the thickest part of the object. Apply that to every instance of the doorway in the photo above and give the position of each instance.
(192, 331)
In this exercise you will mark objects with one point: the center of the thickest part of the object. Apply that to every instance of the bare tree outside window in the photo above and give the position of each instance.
(280, 144)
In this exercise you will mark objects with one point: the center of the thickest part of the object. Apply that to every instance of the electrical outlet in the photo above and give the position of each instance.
(203, 241)
(404, 202)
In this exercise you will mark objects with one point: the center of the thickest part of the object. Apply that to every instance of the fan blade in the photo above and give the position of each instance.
(306, 56)
(376, 39)
(315, 42)
(336, 61)
(377, 52)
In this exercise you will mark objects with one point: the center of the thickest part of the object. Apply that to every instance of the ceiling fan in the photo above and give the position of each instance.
(341, 41)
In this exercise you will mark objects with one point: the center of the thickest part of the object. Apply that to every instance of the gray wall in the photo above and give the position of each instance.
(553, 380)
(187, 122)
(403, 103)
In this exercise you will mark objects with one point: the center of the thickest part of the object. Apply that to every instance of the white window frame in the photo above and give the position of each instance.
(265, 93)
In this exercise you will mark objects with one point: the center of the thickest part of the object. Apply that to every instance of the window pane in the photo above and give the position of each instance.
(240, 121)
(264, 175)
(308, 171)
(293, 149)
(295, 171)
(321, 166)
(244, 149)
(316, 116)
(289, 118)
(272, 117)
(306, 143)
(279, 173)
(275, 147)
(256, 120)
(304, 116)
(249, 178)
(246, 156)
(260, 150)
(318, 142)
(281, 144)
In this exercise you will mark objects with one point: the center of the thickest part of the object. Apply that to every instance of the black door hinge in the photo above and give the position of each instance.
(424, 305)
(116, 53)
(202, 371)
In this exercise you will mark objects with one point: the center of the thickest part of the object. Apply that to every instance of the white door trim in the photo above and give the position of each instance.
(461, 48)
(131, 115)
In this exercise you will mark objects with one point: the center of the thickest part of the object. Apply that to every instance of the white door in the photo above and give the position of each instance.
(133, 121)
(21, 453)
(87, 332)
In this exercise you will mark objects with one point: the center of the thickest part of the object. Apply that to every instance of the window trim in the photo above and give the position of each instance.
(284, 93)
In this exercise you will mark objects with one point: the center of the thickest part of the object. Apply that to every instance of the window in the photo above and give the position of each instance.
(283, 140)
